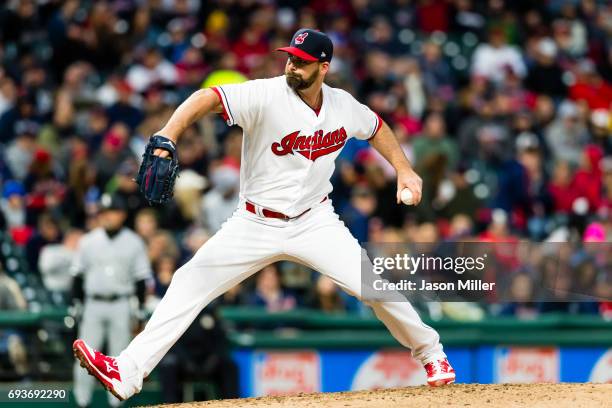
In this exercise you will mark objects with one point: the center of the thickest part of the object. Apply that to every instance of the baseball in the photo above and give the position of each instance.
(407, 197)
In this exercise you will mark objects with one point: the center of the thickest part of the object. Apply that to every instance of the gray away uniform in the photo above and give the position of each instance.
(109, 267)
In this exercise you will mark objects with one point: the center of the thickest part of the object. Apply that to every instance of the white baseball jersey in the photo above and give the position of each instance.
(288, 150)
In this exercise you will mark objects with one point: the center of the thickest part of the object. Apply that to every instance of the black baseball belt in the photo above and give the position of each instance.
(107, 298)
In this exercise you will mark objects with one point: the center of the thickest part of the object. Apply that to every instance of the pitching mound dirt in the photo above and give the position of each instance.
(456, 395)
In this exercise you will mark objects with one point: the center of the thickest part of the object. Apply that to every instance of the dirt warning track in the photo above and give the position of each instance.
(456, 395)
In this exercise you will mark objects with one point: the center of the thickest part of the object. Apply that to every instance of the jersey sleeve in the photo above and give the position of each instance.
(78, 264)
(241, 102)
(365, 122)
(141, 268)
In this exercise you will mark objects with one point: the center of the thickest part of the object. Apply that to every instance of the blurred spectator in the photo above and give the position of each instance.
(122, 183)
(220, 202)
(588, 178)
(20, 152)
(46, 191)
(498, 231)
(5, 173)
(606, 202)
(601, 129)
(546, 75)
(152, 69)
(269, 292)
(179, 43)
(538, 200)
(522, 293)
(480, 126)
(55, 261)
(566, 136)
(162, 243)
(123, 109)
(12, 204)
(250, 47)
(193, 152)
(357, 212)
(191, 67)
(74, 91)
(496, 59)
(591, 87)
(48, 232)
(456, 196)
(12, 350)
(69, 39)
(381, 36)
(434, 146)
(461, 226)
(436, 155)
(192, 241)
(378, 77)
(326, 296)
(467, 18)
(81, 189)
(561, 189)
(22, 119)
(8, 93)
(163, 270)
(111, 154)
(188, 192)
(146, 224)
(11, 297)
(437, 75)
(432, 15)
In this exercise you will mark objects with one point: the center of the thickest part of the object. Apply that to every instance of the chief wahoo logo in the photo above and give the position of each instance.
(300, 38)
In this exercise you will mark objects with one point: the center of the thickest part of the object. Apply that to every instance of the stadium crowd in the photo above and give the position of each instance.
(504, 108)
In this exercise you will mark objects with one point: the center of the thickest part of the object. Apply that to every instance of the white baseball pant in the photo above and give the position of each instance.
(244, 245)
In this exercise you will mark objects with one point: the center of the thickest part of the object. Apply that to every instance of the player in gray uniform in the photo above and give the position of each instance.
(110, 267)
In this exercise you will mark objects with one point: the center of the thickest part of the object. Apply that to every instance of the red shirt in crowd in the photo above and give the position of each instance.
(588, 182)
(597, 95)
(563, 197)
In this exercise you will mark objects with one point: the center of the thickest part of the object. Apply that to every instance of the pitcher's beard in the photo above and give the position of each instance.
(298, 84)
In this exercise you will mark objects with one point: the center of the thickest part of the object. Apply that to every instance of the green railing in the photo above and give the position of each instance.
(321, 330)
(306, 328)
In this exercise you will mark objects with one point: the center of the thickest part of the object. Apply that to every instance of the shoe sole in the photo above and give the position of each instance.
(79, 355)
(440, 382)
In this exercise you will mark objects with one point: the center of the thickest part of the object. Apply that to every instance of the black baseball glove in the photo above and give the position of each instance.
(157, 174)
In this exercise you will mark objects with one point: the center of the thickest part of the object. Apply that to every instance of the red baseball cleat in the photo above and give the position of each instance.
(439, 372)
(102, 367)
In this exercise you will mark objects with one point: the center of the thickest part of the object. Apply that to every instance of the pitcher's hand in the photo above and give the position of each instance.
(413, 182)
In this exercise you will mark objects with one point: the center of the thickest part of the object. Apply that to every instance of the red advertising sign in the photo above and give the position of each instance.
(526, 364)
(286, 373)
(388, 369)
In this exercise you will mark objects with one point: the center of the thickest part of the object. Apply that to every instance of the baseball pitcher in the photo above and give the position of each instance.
(294, 128)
